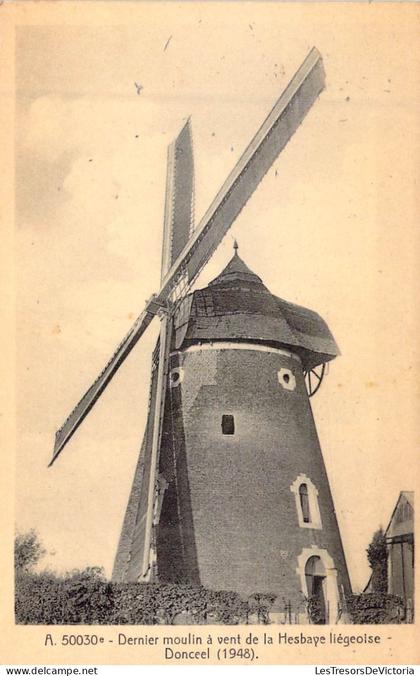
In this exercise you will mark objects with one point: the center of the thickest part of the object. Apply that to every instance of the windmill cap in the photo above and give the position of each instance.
(237, 306)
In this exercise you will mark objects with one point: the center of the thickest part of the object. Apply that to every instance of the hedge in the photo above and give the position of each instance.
(376, 608)
(85, 597)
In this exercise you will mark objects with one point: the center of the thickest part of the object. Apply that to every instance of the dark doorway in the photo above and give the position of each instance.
(315, 582)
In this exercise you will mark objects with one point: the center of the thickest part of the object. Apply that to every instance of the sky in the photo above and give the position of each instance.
(333, 227)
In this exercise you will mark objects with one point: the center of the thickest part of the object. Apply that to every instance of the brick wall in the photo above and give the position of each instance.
(236, 521)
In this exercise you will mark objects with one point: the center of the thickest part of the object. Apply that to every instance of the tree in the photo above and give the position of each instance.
(377, 556)
(28, 551)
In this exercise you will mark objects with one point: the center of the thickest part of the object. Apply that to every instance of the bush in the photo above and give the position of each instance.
(85, 597)
(80, 597)
(376, 608)
(260, 605)
(316, 610)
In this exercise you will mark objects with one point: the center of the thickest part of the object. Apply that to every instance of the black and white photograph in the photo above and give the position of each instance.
(216, 255)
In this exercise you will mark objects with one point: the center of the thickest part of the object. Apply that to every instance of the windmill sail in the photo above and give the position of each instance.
(269, 141)
(130, 551)
(179, 198)
(78, 414)
(178, 225)
(273, 135)
(156, 420)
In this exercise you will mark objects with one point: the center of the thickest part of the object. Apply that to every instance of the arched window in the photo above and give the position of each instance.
(307, 507)
(304, 503)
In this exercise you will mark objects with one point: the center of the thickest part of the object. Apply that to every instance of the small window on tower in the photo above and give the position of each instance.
(228, 424)
(307, 507)
(304, 503)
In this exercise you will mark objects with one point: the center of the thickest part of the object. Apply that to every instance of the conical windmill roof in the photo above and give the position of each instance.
(236, 271)
(237, 306)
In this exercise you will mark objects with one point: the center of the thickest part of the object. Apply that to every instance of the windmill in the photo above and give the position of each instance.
(161, 531)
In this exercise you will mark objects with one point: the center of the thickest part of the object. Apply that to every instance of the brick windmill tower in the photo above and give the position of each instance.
(230, 490)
